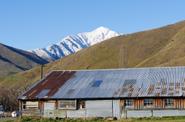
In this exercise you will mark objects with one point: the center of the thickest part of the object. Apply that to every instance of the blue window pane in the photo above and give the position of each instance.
(97, 83)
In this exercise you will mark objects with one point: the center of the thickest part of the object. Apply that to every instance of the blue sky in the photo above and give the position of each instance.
(29, 24)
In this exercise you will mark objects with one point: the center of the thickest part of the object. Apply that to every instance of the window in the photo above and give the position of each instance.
(169, 102)
(81, 104)
(129, 82)
(148, 102)
(29, 104)
(67, 104)
(23, 105)
(128, 102)
(96, 83)
(49, 105)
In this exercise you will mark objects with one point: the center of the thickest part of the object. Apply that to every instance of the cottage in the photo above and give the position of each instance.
(120, 93)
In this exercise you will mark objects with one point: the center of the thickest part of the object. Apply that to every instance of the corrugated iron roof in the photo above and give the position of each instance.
(49, 85)
(113, 83)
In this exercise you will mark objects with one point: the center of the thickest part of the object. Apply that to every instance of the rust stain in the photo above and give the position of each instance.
(52, 82)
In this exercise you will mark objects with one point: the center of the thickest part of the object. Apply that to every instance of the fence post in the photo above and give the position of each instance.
(85, 113)
(152, 112)
(126, 113)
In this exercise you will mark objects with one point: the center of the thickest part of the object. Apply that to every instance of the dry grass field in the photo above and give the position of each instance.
(165, 119)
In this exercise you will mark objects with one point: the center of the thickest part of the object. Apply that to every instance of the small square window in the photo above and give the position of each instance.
(169, 102)
(81, 104)
(96, 83)
(148, 102)
(129, 82)
(128, 102)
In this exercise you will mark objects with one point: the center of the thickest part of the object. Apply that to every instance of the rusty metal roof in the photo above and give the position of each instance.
(49, 85)
(110, 83)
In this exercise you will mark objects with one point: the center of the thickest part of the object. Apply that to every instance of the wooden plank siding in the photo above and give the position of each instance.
(138, 103)
(159, 103)
(41, 105)
(179, 103)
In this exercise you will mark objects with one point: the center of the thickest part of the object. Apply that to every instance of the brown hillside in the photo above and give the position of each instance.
(158, 47)
(13, 60)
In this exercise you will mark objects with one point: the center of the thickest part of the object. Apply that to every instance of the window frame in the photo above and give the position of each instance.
(169, 102)
(24, 105)
(67, 108)
(81, 104)
(31, 105)
(148, 102)
(129, 103)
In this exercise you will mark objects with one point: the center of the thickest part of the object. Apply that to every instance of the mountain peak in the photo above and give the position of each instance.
(102, 28)
(73, 43)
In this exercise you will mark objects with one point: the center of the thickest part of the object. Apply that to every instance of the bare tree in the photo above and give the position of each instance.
(8, 98)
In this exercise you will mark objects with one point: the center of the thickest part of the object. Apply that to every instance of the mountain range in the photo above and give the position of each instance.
(164, 46)
(73, 43)
(14, 60)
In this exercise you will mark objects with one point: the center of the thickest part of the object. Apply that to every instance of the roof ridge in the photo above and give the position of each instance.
(121, 68)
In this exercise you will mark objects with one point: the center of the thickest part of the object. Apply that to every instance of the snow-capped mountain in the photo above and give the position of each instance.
(74, 43)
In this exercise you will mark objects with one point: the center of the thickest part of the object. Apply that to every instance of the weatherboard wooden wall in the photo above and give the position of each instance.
(159, 103)
(138, 103)
(179, 103)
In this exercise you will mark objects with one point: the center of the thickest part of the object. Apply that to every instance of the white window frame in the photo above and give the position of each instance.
(30, 104)
(69, 107)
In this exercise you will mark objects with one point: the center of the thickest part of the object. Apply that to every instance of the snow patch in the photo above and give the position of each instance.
(73, 43)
